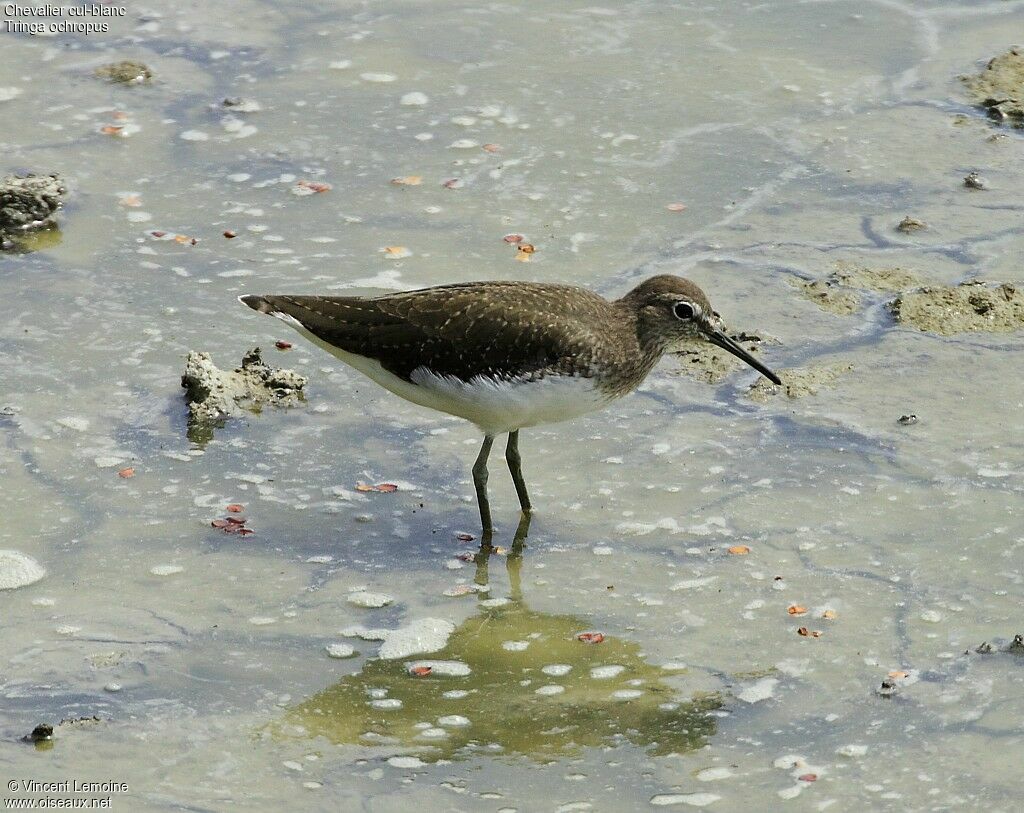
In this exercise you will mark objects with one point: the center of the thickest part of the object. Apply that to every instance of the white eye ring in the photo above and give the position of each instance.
(684, 311)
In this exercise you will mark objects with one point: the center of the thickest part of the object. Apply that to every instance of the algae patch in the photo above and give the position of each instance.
(970, 306)
(553, 697)
(799, 383)
(214, 394)
(999, 88)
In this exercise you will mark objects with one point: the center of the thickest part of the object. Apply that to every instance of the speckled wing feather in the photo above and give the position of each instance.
(462, 330)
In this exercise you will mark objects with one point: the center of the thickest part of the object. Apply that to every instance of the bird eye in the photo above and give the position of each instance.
(683, 310)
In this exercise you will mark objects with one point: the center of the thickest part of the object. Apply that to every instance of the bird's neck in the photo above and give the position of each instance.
(641, 351)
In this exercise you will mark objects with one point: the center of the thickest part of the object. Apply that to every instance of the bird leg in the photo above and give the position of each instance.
(482, 559)
(480, 481)
(515, 467)
(514, 560)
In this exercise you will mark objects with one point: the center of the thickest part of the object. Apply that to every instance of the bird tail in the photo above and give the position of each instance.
(257, 303)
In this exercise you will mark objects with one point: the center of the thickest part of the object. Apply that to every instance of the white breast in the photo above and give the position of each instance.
(504, 406)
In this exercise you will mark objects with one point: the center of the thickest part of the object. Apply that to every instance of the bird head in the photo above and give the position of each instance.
(674, 314)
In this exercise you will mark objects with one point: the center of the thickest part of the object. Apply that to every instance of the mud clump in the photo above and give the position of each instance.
(80, 721)
(891, 279)
(909, 225)
(214, 394)
(41, 737)
(970, 306)
(799, 383)
(711, 364)
(974, 181)
(126, 72)
(999, 89)
(238, 104)
(838, 293)
(1015, 647)
(28, 203)
(827, 295)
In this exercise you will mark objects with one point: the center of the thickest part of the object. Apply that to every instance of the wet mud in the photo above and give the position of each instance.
(125, 72)
(28, 205)
(999, 88)
(799, 383)
(840, 293)
(971, 306)
(213, 394)
(713, 365)
(332, 154)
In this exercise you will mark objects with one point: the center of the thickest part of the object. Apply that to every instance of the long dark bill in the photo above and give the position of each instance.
(718, 338)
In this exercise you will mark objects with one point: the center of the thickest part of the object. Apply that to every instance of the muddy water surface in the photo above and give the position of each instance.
(253, 672)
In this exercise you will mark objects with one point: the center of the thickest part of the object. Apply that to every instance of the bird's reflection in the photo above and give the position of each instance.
(513, 559)
(524, 683)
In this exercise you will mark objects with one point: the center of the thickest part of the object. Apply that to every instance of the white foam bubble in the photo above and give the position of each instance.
(444, 668)
(406, 762)
(363, 598)
(423, 635)
(340, 650)
(605, 672)
(756, 692)
(713, 774)
(691, 799)
(18, 570)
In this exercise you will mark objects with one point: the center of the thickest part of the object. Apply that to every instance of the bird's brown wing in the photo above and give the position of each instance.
(504, 330)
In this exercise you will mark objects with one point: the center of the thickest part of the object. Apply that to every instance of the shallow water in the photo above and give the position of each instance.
(797, 135)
